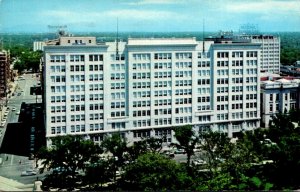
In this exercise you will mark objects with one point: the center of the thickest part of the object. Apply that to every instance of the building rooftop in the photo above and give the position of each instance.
(162, 41)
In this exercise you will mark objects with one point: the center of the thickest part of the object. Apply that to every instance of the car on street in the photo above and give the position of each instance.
(179, 151)
(29, 172)
(19, 94)
(18, 113)
(13, 109)
(199, 162)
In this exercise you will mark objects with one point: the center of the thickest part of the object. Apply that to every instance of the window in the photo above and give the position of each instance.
(98, 57)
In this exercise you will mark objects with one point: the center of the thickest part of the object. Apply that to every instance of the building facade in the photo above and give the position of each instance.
(145, 87)
(278, 96)
(270, 51)
(4, 72)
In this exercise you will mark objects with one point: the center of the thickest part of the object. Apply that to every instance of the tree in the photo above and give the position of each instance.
(154, 172)
(98, 172)
(187, 140)
(285, 153)
(68, 154)
(116, 145)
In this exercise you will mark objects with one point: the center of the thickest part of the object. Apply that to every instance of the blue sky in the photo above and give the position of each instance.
(148, 15)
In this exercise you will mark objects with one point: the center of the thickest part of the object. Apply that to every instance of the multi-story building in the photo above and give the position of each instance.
(4, 72)
(270, 51)
(280, 95)
(145, 87)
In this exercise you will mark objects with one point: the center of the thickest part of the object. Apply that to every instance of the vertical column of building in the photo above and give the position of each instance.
(222, 90)
(94, 94)
(162, 82)
(203, 94)
(55, 89)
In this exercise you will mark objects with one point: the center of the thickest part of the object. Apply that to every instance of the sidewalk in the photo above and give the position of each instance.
(12, 185)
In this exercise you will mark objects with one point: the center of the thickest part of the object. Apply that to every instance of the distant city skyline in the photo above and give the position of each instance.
(148, 15)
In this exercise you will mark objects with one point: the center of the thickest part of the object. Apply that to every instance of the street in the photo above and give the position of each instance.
(12, 165)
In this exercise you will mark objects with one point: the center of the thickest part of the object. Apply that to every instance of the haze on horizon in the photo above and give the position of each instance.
(148, 15)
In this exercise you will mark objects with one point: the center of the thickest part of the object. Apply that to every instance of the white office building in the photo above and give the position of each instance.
(270, 51)
(280, 95)
(145, 87)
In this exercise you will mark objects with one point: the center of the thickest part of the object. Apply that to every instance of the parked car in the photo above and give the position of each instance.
(199, 162)
(179, 151)
(28, 173)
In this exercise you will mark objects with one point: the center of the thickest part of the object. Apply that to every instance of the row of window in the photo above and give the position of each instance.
(77, 98)
(117, 85)
(141, 123)
(203, 107)
(141, 103)
(138, 85)
(58, 68)
(162, 74)
(141, 94)
(77, 108)
(96, 106)
(203, 72)
(96, 116)
(203, 99)
(183, 74)
(77, 78)
(76, 68)
(183, 91)
(58, 130)
(117, 114)
(58, 109)
(141, 75)
(141, 113)
(161, 84)
(117, 67)
(77, 88)
(164, 121)
(183, 101)
(95, 67)
(117, 105)
(77, 117)
(58, 119)
(162, 65)
(180, 120)
(95, 97)
(117, 76)
(140, 66)
(95, 87)
(96, 77)
(58, 79)
(185, 83)
(58, 89)
(162, 93)
(58, 99)
(183, 110)
(77, 128)
(141, 56)
(96, 126)
(203, 81)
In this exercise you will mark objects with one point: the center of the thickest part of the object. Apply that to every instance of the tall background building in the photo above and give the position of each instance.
(145, 87)
(4, 72)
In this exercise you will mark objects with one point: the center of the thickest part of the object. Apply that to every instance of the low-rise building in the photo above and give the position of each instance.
(280, 95)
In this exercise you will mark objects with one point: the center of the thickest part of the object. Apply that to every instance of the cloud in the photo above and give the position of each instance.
(143, 14)
(124, 14)
(277, 6)
(155, 2)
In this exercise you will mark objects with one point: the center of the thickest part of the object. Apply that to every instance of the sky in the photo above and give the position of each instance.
(148, 15)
